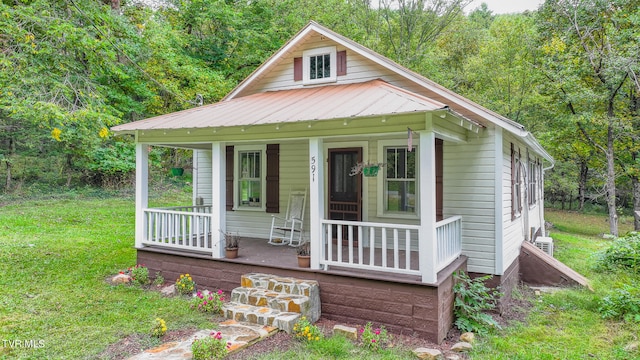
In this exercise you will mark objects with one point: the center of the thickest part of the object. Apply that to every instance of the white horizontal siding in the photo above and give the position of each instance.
(359, 69)
(294, 176)
(469, 191)
(518, 229)
(203, 176)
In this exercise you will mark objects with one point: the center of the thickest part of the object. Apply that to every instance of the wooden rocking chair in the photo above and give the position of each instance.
(293, 222)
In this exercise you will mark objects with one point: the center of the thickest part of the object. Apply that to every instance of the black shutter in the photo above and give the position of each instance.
(273, 178)
(229, 178)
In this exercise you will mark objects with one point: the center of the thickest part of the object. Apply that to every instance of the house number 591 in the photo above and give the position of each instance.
(313, 168)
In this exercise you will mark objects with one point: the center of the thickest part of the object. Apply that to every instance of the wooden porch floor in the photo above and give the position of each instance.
(258, 252)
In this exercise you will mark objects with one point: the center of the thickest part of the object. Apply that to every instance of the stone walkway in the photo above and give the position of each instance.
(238, 334)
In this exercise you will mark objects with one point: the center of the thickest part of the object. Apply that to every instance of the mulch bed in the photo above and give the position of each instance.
(516, 310)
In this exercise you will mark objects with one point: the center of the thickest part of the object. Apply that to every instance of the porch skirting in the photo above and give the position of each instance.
(403, 305)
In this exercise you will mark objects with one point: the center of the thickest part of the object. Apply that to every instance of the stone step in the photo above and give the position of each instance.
(274, 300)
(261, 315)
(280, 293)
(283, 285)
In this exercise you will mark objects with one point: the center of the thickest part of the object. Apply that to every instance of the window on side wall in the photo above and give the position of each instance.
(250, 185)
(533, 182)
(516, 183)
(319, 65)
(399, 186)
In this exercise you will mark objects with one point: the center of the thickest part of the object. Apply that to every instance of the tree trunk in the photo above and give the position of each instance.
(8, 181)
(611, 180)
(582, 184)
(635, 183)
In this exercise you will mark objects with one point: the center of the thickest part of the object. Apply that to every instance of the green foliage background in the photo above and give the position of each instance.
(78, 67)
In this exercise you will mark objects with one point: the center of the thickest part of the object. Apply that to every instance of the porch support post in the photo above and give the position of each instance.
(316, 199)
(428, 243)
(218, 204)
(142, 191)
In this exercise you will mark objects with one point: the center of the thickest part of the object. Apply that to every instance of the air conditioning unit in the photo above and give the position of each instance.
(545, 244)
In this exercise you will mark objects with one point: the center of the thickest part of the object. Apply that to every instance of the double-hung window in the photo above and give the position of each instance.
(250, 184)
(319, 65)
(516, 181)
(533, 178)
(399, 186)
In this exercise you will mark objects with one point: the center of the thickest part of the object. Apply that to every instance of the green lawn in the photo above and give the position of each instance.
(567, 324)
(54, 259)
(55, 256)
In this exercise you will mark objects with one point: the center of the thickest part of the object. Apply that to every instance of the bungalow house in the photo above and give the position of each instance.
(403, 181)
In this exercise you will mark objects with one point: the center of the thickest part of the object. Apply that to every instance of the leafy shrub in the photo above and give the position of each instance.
(472, 297)
(159, 328)
(211, 347)
(112, 165)
(139, 275)
(185, 284)
(622, 304)
(304, 330)
(373, 339)
(208, 302)
(159, 279)
(623, 254)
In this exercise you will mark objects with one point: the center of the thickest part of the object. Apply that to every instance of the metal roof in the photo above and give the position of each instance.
(461, 105)
(370, 98)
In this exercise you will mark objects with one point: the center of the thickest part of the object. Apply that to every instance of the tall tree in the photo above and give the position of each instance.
(592, 49)
(408, 28)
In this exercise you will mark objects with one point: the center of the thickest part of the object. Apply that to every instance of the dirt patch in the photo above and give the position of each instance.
(137, 343)
(515, 310)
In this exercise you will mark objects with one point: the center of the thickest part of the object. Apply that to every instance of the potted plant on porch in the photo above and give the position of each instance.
(304, 255)
(231, 245)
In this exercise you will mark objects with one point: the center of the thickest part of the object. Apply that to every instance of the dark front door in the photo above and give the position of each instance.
(345, 192)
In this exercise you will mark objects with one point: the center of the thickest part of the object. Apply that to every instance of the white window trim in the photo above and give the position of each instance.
(516, 188)
(331, 50)
(263, 177)
(382, 158)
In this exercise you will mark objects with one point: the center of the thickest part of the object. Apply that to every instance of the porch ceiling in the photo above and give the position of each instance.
(367, 99)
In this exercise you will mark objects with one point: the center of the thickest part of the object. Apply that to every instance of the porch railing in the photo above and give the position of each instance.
(386, 247)
(200, 209)
(448, 235)
(370, 246)
(181, 227)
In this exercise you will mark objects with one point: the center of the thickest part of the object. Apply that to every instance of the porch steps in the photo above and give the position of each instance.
(273, 300)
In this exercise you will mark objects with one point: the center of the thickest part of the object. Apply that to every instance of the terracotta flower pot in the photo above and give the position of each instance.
(231, 253)
(304, 261)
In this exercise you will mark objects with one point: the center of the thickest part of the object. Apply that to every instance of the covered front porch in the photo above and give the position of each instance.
(417, 248)
(379, 248)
